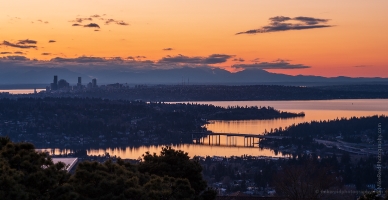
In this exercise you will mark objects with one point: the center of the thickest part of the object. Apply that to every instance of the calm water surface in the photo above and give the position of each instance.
(314, 110)
(22, 91)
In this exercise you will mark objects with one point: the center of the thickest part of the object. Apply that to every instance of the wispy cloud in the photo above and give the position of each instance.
(52, 41)
(212, 59)
(238, 60)
(41, 21)
(46, 54)
(82, 59)
(122, 23)
(80, 20)
(22, 45)
(280, 64)
(168, 49)
(118, 22)
(282, 23)
(5, 52)
(27, 41)
(15, 58)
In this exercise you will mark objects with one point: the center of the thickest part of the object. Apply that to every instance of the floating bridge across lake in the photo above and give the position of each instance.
(231, 138)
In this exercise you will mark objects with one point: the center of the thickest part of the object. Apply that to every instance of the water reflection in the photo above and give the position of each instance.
(228, 146)
(192, 149)
(260, 126)
(22, 91)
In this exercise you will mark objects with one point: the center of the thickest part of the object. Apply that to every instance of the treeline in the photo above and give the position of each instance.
(353, 129)
(61, 120)
(211, 112)
(253, 112)
(27, 174)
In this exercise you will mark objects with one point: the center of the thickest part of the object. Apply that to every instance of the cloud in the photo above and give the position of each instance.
(80, 20)
(217, 58)
(52, 41)
(212, 59)
(76, 25)
(95, 16)
(18, 52)
(168, 49)
(122, 23)
(282, 23)
(108, 21)
(118, 22)
(15, 58)
(279, 19)
(271, 65)
(92, 25)
(41, 21)
(27, 41)
(5, 52)
(311, 20)
(46, 54)
(18, 45)
(238, 60)
(82, 59)
(96, 30)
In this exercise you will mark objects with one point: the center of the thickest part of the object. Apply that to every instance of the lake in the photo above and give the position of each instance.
(22, 91)
(314, 110)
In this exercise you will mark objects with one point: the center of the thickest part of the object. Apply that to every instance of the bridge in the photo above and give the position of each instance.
(231, 138)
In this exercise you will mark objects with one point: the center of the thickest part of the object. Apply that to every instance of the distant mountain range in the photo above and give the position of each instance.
(199, 75)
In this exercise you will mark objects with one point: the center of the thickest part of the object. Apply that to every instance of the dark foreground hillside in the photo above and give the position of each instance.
(26, 174)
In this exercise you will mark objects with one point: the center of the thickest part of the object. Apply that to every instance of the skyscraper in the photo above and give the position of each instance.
(79, 84)
(94, 82)
(54, 85)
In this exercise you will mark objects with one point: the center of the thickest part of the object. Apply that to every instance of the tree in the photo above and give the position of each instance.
(120, 180)
(304, 181)
(174, 163)
(27, 174)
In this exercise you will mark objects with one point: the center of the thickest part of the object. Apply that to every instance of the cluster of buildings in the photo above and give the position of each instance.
(64, 85)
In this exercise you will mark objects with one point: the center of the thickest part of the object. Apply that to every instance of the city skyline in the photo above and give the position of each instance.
(310, 38)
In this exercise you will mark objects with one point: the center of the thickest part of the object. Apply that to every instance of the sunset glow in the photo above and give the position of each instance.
(329, 38)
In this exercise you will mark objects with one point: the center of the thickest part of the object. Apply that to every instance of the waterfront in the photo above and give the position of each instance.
(314, 110)
(22, 91)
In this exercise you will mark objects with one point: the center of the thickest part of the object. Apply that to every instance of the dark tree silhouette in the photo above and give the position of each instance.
(27, 174)
(174, 163)
(306, 181)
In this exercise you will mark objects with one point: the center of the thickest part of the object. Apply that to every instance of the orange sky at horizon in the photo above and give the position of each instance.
(356, 45)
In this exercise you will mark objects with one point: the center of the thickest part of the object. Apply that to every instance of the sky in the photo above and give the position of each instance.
(325, 38)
